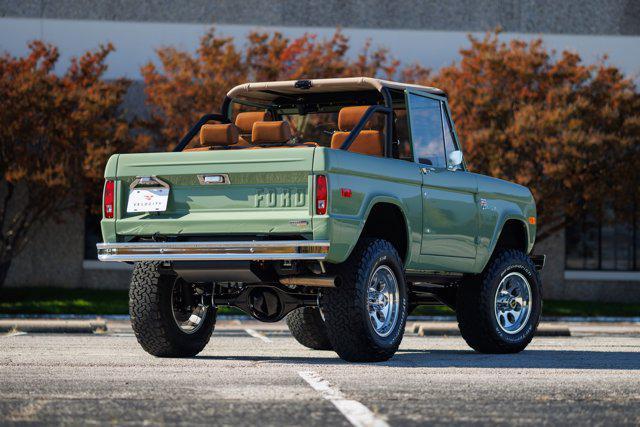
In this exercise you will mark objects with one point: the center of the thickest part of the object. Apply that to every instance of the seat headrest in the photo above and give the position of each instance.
(218, 134)
(245, 121)
(270, 132)
(349, 117)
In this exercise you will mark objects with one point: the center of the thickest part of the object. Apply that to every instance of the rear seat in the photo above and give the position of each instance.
(213, 136)
(369, 141)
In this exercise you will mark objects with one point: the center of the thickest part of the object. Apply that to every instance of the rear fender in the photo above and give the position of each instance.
(348, 230)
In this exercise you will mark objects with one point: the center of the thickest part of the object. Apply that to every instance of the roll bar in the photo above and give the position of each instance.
(387, 109)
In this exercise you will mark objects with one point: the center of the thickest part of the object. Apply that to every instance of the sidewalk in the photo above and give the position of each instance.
(415, 326)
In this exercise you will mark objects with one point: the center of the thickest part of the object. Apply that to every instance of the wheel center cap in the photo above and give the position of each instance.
(513, 303)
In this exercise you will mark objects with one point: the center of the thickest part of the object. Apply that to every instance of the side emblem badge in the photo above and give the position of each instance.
(484, 204)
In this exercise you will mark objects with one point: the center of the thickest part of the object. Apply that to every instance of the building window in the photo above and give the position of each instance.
(609, 243)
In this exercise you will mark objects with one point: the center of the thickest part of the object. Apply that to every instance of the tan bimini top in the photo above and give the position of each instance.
(271, 90)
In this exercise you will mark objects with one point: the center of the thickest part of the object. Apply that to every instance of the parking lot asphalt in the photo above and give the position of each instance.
(256, 374)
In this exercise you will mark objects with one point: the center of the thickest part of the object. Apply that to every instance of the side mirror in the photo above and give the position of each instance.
(455, 160)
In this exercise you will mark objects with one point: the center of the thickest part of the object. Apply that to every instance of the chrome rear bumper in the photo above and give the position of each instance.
(214, 251)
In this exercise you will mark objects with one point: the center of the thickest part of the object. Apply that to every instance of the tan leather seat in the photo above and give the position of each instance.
(264, 133)
(244, 122)
(369, 141)
(216, 135)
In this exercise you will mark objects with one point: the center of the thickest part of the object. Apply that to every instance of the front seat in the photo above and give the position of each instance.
(267, 133)
(244, 122)
(370, 140)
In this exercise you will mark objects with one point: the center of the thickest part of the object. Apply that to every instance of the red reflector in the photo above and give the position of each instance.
(109, 192)
(321, 195)
(345, 192)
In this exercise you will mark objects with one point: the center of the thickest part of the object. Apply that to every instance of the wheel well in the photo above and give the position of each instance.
(386, 221)
(513, 236)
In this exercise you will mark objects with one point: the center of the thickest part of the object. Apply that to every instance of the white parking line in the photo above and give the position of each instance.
(14, 334)
(357, 414)
(257, 334)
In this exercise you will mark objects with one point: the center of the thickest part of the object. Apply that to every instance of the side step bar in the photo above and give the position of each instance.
(214, 251)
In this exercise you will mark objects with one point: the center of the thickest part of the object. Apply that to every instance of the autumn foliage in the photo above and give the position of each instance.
(186, 86)
(56, 133)
(526, 114)
(568, 131)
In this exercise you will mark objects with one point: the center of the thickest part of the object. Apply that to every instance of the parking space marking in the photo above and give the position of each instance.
(257, 334)
(357, 414)
(14, 334)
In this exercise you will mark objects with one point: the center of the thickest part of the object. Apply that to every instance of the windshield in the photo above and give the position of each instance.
(313, 127)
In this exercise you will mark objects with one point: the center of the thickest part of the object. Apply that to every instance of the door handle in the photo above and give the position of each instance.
(425, 170)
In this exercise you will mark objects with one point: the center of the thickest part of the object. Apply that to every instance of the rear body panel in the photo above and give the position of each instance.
(268, 193)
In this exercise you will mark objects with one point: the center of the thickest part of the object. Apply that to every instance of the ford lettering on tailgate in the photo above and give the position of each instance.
(280, 197)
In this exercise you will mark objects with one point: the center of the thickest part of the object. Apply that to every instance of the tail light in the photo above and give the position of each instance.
(109, 199)
(321, 195)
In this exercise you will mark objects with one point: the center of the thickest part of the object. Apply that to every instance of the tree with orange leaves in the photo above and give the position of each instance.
(56, 133)
(568, 131)
(187, 86)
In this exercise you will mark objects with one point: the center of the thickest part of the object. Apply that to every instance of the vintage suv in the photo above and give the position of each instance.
(340, 203)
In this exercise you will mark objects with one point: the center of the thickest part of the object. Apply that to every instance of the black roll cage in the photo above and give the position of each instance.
(387, 108)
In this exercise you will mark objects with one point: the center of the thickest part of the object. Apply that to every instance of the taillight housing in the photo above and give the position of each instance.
(108, 199)
(322, 195)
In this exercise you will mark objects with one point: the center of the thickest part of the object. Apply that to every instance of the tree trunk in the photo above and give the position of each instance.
(4, 271)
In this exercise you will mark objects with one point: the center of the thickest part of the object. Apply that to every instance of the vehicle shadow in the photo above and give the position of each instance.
(528, 359)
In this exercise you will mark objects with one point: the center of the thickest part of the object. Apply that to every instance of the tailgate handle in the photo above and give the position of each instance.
(148, 181)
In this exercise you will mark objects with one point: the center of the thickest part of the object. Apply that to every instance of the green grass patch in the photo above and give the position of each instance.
(69, 301)
(86, 301)
(589, 309)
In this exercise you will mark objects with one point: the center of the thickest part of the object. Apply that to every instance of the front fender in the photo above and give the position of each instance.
(486, 248)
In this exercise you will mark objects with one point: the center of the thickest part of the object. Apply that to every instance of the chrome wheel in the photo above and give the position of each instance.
(188, 306)
(383, 300)
(513, 303)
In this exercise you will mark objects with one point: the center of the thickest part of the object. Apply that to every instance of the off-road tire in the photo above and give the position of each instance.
(476, 304)
(152, 318)
(345, 307)
(307, 327)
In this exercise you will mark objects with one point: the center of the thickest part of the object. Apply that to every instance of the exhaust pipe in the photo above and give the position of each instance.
(319, 281)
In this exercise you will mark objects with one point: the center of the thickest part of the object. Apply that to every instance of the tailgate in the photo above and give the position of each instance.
(267, 191)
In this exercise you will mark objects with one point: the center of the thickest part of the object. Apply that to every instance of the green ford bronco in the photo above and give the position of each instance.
(341, 204)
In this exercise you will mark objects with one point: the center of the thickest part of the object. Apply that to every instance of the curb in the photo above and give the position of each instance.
(56, 327)
(424, 330)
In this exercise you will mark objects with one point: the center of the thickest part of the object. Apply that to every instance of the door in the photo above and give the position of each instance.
(450, 210)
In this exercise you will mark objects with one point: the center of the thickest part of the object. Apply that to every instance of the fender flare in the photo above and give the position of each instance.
(498, 232)
(367, 211)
